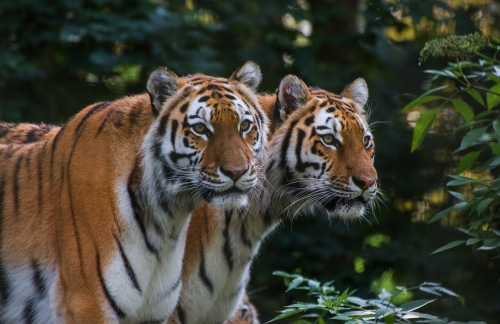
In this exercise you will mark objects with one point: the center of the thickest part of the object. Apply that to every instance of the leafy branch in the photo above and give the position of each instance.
(332, 304)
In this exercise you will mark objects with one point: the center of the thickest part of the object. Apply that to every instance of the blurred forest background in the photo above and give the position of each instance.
(57, 57)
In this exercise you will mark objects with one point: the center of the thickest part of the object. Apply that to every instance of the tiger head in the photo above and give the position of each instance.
(208, 133)
(324, 149)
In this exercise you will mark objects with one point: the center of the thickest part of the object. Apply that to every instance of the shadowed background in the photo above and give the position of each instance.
(57, 57)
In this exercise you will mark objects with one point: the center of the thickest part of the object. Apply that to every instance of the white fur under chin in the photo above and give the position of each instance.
(348, 212)
(230, 202)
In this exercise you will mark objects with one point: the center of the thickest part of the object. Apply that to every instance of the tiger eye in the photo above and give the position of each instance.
(245, 125)
(328, 139)
(366, 141)
(199, 128)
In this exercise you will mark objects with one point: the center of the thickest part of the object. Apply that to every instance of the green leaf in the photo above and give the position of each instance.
(495, 148)
(419, 101)
(457, 195)
(488, 165)
(286, 314)
(441, 214)
(496, 126)
(473, 241)
(445, 73)
(467, 162)
(463, 108)
(485, 203)
(476, 95)
(449, 246)
(493, 99)
(284, 274)
(493, 77)
(408, 307)
(422, 127)
(430, 290)
(495, 161)
(471, 137)
(459, 182)
(295, 283)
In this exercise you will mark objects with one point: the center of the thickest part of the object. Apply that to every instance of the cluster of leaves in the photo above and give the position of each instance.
(332, 304)
(478, 83)
(462, 47)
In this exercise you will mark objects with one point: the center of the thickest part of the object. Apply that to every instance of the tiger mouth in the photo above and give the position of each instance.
(338, 202)
(209, 194)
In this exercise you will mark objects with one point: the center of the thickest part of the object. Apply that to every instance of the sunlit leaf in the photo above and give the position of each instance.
(416, 304)
(421, 100)
(422, 127)
(463, 108)
(493, 99)
(449, 246)
(471, 137)
(476, 95)
(430, 290)
(467, 162)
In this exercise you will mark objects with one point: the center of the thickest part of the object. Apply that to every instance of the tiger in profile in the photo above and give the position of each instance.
(94, 214)
(320, 160)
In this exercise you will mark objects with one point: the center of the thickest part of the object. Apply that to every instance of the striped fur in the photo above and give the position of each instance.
(94, 214)
(306, 171)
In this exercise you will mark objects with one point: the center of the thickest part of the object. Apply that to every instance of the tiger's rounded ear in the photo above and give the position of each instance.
(249, 74)
(161, 84)
(357, 91)
(292, 94)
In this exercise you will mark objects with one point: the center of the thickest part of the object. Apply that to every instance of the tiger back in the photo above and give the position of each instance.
(94, 214)
(320, 160)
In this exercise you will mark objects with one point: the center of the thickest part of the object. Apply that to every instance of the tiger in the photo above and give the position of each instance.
(94, 214)
(26, 133)
(319, 160)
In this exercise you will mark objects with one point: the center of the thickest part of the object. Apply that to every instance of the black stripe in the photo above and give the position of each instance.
(286, 144)
(302, 166)
(184, 107)
(228, 253)
(54, 146)
(115, 307)
(244, 236)
(181, 314)
(5, 128)
(128, 266)
(137, 216)
(175, 125)
(29, 312)
(97, 107)
(38, 279)
(16, 184)
(73, 220)
(104, 122)
(40, 181)
(204, 99)
(203, 271)
(163, 125)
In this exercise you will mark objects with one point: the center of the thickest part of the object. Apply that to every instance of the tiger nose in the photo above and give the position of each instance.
(362, 182)
(234, 173)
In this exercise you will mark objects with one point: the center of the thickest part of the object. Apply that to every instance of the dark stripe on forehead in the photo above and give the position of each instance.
(286, 144)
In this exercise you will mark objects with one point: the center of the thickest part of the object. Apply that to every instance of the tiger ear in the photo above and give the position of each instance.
(161, 84)
(292, 94)
(357, 91)
(249, 74)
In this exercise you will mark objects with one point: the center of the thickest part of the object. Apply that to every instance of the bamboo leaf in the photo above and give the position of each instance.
(422, 127)
(449, 246)
(485, 203)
